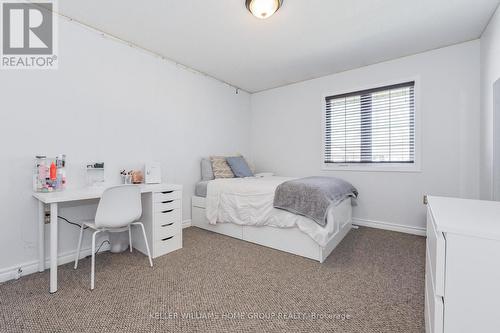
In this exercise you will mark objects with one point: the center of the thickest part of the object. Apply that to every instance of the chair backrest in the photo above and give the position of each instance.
(119, 206)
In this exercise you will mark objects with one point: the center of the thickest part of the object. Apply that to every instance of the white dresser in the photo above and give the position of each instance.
(462, 275)
(162, 217)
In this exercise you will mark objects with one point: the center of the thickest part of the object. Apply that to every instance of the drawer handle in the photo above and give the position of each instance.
(167, 192)
(168, 201)
(167, 211)
(165, 239)
(167, 225)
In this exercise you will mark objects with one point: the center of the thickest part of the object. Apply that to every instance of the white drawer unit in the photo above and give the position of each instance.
(162, 217)
(462, 274)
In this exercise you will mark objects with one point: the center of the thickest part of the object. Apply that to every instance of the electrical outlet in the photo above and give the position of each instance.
(425, 199)
(47, 217)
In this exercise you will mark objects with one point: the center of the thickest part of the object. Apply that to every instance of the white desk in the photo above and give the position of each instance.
(54, 198)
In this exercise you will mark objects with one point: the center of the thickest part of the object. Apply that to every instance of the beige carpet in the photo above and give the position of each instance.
(372, 282)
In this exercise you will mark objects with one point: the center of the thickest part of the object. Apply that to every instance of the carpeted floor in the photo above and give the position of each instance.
(372, 282)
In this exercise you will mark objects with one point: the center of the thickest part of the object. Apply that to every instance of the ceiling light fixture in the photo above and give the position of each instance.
(263, 8)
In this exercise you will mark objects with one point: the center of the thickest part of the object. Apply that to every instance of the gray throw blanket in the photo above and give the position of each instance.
(312, 196)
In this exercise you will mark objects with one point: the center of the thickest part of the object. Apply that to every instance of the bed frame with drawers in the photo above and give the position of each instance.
(290, 240)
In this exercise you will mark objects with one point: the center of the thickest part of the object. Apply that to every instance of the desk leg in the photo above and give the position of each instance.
(41, 236)
(53, 247)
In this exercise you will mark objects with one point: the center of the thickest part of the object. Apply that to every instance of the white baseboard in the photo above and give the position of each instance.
(389, 226)
(186, 224)
(12, 273)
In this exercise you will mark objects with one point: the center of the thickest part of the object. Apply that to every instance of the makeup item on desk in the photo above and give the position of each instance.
(132, 177)
(126, 178)
(38, 173)
(53, 171)
(60, 181)
(63, 177)
(49, 174)
(137, 177)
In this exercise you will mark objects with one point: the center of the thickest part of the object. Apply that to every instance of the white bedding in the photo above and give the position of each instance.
(249, 201)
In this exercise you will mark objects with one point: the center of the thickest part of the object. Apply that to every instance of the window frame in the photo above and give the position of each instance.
(375, 166)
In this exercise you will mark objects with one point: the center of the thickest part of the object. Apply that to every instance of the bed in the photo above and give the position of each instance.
(243, 208)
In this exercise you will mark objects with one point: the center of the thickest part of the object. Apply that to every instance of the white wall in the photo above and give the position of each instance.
(490, 72)
(113, 103)
(287, 133)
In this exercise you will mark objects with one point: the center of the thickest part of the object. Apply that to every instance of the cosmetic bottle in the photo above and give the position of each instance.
(53, 171)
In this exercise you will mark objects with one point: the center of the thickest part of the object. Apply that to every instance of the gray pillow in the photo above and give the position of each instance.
(239, 166)
(206, 169)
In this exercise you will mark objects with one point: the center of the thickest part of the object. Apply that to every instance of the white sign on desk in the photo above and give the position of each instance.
(153, 173)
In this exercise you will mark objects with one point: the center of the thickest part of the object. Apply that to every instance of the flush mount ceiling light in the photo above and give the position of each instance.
(263, 8)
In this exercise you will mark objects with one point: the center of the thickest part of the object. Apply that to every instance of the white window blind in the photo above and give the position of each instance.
(371, 126)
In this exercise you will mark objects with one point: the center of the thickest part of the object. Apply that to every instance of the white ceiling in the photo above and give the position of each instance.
(305, 39)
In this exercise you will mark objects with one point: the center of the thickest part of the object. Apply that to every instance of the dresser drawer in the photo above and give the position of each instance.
(167, 195)
(167, 229)
(434, 307)
(166, 205)
(436, 245)
(167, 245)
(167, 216)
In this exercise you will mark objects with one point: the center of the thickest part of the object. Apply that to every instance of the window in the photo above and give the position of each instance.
(371, 126)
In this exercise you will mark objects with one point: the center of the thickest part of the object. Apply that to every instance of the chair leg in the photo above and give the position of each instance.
(130, 238)
(145, 241)
(92, 265)
(79, 246)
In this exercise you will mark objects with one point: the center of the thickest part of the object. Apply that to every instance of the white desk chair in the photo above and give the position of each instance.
(118, 209)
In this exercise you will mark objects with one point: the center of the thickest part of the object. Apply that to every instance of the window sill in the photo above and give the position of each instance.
(402, 167)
